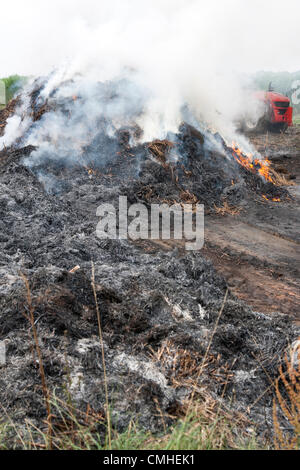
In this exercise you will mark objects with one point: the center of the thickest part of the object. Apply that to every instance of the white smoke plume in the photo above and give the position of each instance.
(173, 53)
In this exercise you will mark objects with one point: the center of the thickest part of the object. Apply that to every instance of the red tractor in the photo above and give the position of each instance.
(273, 112)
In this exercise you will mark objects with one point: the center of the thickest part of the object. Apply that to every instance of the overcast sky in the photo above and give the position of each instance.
(38, 35)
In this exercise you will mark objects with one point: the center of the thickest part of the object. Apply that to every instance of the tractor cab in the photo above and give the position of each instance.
(273, 112)
(278, 108)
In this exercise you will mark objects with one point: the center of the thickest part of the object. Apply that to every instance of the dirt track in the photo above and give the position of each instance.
(148, 302)
(258, 250)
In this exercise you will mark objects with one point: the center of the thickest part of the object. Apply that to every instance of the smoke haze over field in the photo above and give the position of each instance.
(180, 52)
(235, 34)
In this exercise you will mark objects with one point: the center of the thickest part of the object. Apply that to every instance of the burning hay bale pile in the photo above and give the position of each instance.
(154, 307)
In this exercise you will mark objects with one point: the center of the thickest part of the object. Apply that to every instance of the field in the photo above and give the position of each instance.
(296, 120)
(138, 343)
(13, 85)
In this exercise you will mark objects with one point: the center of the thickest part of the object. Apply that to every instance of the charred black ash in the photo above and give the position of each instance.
(147, 300)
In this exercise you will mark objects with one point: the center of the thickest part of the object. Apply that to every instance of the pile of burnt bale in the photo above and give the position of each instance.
(7, 112)
(156, 306)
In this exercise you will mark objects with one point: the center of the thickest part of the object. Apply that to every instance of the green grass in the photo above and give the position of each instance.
(13, 84)
(185, 435)
(296, 120)
(73, 430)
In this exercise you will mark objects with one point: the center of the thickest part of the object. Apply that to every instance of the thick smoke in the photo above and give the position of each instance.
(164, 58)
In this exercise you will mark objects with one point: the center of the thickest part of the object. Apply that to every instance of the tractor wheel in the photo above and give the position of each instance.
(279, 128)
(253, 126)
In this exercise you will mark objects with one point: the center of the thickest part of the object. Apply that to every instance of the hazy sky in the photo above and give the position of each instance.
(241, 34)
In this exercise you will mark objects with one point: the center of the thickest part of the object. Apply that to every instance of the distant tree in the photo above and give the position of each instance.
(282, 83)
(13, 84)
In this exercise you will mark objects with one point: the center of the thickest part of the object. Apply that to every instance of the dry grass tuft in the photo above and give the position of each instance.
(103, 356)
(279, 179)
(72, 429)
(226, 209)
(188, 198)
(31, 319)
(180, 365)
(205, 428)
(287, 402)
(184, 367)
(160, 149)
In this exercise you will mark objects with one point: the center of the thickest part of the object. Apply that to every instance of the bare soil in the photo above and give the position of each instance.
(258, 251)
(158, 303)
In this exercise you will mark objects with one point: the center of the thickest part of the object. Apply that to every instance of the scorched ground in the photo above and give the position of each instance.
(159, 304)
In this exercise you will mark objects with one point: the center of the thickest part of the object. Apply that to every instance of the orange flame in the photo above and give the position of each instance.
(275, 199)
(89, 170)
(254, 165)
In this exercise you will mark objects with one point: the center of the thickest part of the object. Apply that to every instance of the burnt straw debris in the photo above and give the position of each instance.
(150, 302)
